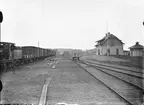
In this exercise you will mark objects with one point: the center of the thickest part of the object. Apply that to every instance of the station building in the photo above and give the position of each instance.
(109, 45)
(136, 50)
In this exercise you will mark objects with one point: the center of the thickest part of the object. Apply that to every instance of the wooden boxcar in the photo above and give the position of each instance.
(76, 54)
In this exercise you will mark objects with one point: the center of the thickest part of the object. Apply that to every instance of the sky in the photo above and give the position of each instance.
(71, 23)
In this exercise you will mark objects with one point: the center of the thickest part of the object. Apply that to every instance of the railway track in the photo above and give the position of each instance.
(130, 93)
(133, 79)
(114, 67)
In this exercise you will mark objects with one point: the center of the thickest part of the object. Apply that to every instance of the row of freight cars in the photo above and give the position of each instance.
(11, 55)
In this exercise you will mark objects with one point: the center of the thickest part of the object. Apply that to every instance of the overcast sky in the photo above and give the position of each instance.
(71, 23)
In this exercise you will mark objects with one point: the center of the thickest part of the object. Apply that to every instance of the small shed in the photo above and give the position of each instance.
(136, 50)
(125, 52)
(66, 54)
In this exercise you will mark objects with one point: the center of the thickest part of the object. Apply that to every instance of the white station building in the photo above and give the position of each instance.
(109, 45)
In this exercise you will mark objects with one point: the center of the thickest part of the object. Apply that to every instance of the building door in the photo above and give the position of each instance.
(108, 52)
(98, 51)
(117, 51)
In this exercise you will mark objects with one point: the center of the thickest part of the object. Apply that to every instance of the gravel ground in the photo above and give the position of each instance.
(72, 85)
(137, 81)
(26, 84)
(122, 88)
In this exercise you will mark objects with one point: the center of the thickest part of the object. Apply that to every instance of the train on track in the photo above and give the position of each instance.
(76, 54)
(73, 54)
(11, 55)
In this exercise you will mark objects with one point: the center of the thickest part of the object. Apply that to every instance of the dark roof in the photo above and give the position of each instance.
(18, 47)
(108, 35)
(137, 46)
(28, 46)
(125, 51)
(6, 43)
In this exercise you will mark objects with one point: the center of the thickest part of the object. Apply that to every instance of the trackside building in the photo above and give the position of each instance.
(109, 45)
(136, 50)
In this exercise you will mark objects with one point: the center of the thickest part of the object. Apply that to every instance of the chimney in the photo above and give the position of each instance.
(137, 43)
(108, 33)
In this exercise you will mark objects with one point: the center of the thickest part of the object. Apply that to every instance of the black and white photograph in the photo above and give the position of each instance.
(71, 52)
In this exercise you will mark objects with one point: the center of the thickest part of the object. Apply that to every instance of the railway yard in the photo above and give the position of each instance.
(63, 81)
(55, 72)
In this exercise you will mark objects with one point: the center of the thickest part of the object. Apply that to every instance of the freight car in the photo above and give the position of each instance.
(12, 56)
(76, 54)
(17, 56)
(6, 55)
(29, 54)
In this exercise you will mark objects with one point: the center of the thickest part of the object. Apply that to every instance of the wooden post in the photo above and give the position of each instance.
(5, 66)
(13, 62)
(13, 67)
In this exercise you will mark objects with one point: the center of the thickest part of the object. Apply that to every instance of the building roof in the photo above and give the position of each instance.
(125, 51)
(6, 43)
(28, 46)
(108, 36)
(137, 46)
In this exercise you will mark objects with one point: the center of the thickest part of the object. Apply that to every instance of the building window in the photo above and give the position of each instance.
(98, 51)
(117, 51)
